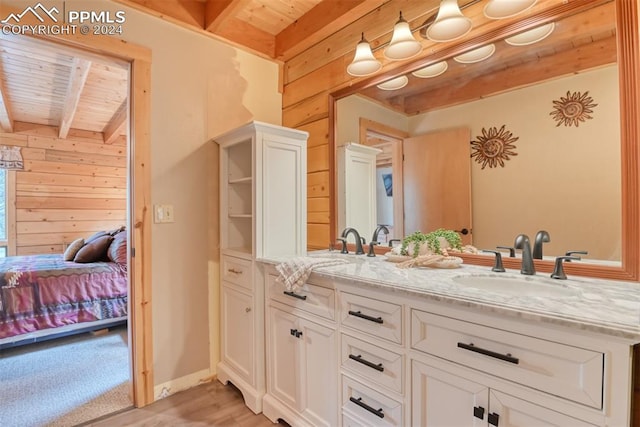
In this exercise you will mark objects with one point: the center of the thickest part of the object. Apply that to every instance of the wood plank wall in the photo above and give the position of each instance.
(69, 188)
(311, 76)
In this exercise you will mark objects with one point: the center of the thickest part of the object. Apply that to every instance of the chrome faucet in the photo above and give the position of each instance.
(522, 242)
(374, 239)
(541, 237)
(350, 230)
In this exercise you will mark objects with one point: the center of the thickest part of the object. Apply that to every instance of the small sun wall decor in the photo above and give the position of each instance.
(573, 109)
(493, 147)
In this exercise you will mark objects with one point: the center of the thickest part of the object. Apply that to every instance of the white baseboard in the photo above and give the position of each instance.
(170, 387)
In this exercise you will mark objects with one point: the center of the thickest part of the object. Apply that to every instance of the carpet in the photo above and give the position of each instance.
(66, 381)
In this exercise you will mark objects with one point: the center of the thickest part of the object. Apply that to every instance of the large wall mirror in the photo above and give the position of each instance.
(550, 133)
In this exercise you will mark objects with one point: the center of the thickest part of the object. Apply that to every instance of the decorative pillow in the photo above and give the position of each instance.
(94, 251)
(95, 236)
(72, 249)
(117, 251)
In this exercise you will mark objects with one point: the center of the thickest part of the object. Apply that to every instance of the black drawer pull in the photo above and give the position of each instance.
(359, 359)
(493, 419)
(364, 316)
(478, 412)
(360, 403)
(293, 294)
(506, 357)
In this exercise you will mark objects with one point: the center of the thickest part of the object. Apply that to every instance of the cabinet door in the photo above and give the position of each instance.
(514, 412)
(319, 373)
(440, 399)
(238, 335)
(281, 197)
(284, 358)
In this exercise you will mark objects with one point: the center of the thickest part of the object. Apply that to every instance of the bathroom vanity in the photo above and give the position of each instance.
(368, 343)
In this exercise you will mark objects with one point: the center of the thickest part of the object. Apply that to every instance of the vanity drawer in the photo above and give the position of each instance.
(237, 271)
(314, 299)
(374, 363)
(569, 372)
(372, 407)
(381, 319)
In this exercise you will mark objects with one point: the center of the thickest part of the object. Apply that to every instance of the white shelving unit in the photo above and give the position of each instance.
(262, 213)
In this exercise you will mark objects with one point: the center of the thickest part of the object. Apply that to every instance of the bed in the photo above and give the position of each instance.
(44, 296)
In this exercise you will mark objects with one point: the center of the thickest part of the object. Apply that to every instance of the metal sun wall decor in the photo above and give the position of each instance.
(493, 147)
(573, 109)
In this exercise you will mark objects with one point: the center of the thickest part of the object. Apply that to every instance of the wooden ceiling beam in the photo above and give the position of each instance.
(77, 78)
(6, 118)
(241, 33)
(324, 19)
(217, 12)
(117, 125)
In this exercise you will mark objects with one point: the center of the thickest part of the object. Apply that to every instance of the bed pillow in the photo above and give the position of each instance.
(72, 249)
(95, 250)
(95, 236)
(117, 251)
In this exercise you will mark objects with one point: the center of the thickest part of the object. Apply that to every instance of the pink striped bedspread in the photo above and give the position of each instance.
(39, 292)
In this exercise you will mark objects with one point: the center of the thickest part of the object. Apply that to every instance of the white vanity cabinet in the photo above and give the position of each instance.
(262, 213)
(400, 358)
(302, 346)
(443, 398)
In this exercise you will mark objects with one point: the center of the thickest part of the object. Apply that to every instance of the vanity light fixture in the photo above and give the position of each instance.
(364, 63)
(394, 84)
(450, 23)
(499, 9)
(532, 36)
(430, 71)
(476, 55)
(402, 45)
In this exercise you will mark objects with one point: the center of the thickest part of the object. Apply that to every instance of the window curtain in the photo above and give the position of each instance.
(11, 158)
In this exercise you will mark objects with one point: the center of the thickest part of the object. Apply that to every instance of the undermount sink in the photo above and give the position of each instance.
(515, 285)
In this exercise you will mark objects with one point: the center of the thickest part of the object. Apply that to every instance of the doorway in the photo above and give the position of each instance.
(139, 209)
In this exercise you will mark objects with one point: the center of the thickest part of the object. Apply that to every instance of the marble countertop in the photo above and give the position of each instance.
(604, 306)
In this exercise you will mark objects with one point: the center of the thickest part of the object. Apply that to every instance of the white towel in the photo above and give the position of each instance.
(295, 272)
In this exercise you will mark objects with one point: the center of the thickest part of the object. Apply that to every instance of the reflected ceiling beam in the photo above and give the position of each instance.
(117, 125)
(6, 119)
(324, 19)
(77, 78)
(585, 57)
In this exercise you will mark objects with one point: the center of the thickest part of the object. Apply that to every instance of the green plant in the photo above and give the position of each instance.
(432, 239)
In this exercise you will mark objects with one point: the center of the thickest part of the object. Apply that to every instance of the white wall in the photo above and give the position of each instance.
(564, 179)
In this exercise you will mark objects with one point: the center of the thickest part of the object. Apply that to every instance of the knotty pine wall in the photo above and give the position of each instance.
(69, 188)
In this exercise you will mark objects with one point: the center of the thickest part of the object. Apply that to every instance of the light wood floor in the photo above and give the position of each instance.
(211, 404)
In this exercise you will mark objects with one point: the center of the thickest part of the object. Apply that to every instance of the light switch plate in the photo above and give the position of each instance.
(163, 214)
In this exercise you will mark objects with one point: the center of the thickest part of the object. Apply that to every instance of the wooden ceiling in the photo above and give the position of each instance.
(49, 84)
(277, 29)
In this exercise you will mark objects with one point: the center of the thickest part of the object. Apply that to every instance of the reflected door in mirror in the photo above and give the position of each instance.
(437, 182)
